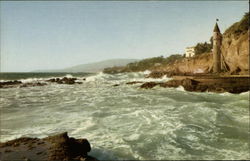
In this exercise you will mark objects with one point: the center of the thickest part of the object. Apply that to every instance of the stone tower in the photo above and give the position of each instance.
(217, 40)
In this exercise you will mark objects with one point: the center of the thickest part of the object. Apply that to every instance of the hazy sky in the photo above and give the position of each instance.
(52, 35)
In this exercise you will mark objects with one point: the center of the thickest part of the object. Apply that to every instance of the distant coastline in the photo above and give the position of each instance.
(90, 67)
(36, 75)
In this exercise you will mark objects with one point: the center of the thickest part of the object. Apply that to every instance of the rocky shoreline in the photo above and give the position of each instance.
(57, 147)
(205, 83)
(16, 83)
(190, 82)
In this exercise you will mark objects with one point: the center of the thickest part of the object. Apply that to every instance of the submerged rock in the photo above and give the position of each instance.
(171, 83)
(134, 82)
(149, 85)
(156, 74)
(57, 147)
(10, 84)
(64, 80)
(15, 83)
(32, 84)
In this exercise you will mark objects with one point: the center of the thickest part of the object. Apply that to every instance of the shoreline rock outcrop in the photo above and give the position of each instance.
(57, 147)
(134, 82)
(207, 83)
(9, 84)
(16, 83)
(64, 80)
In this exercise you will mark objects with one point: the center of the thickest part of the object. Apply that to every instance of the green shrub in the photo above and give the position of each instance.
(145, 64)
(203, 48)
(238, 27)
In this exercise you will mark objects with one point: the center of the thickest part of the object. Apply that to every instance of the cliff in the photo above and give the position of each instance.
(198, 64)
(235, 56)
(235, 53)
(145, 64)
(235, 50)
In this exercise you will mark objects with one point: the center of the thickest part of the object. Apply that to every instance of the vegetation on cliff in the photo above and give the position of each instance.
(145, 64)
(235, 47)
(235, 52)
(201, 48)
(238, 28)
(236, 56)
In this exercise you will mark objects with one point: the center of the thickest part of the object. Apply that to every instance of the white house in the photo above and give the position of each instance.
(189, 52)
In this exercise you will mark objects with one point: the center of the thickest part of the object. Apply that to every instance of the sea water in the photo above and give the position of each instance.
(126, 122)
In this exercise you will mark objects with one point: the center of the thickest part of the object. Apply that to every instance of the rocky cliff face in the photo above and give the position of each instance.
(198, 64)
(235, 53)
(234, 49)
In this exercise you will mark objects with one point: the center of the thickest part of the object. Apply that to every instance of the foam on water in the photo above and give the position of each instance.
(125, 122)
(180, 88)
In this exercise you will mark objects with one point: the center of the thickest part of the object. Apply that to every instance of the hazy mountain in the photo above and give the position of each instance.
(93, 67)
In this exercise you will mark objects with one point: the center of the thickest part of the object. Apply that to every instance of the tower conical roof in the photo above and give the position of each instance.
(216, 28)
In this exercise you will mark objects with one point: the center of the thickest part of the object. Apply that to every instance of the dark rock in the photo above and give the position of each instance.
(12, 84)
(237, 90)
(156, 74)
(210, 83)
(202, 88)
(51, 80)
(149, 85)
(189, 84)
(32, 84)
(160, 74)
(171, 83)
(58, 147)
(64, 80)
(8, 84)
(134, 82)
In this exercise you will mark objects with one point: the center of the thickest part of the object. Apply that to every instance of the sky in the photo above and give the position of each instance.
(58, 34)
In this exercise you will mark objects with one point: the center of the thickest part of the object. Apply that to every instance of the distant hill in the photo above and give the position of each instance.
(93, 67)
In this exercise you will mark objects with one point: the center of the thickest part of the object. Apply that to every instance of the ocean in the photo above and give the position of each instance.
(126, 122)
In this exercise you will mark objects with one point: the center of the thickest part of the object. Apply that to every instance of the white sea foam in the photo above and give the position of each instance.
(225, 94)
(244, 93)
(124, 122)
(180, 88)
(146, 72)
(30, 80)
(99, 76)
(68, 76)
